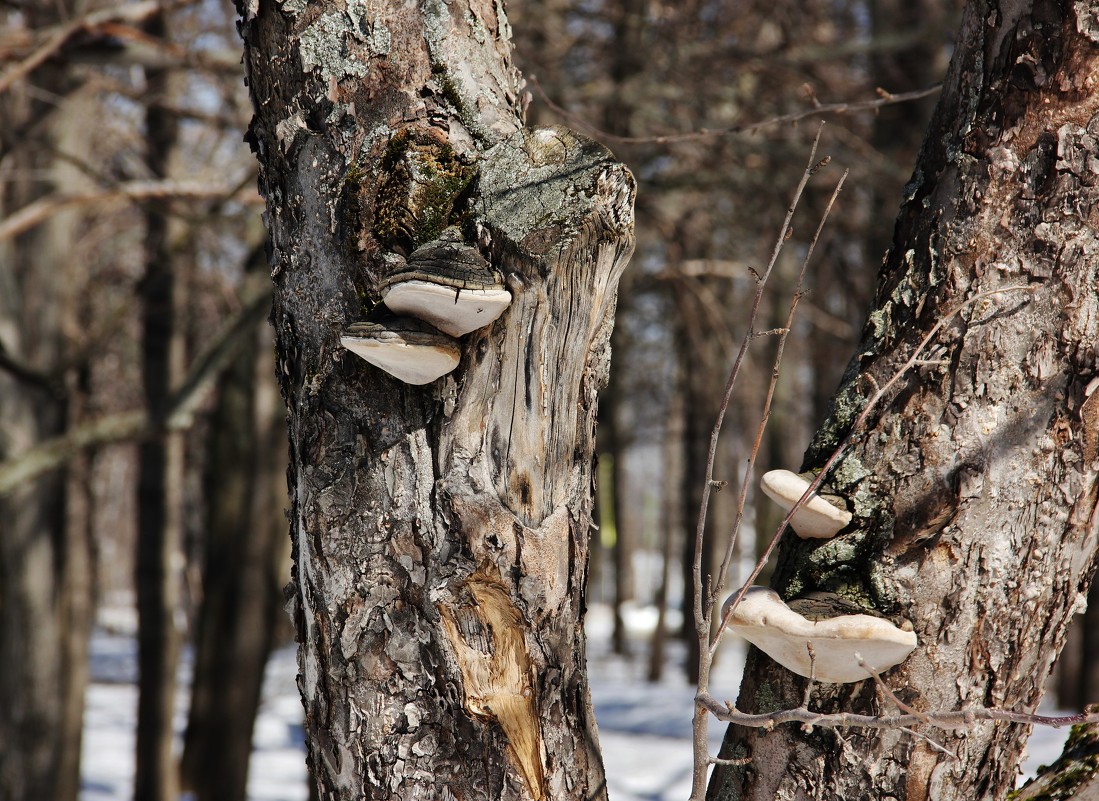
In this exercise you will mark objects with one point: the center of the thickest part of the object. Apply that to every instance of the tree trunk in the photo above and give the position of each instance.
(671, 511)
(241, 591)
(160, 470)
(973, 487)
(440, 533)
(45, 557)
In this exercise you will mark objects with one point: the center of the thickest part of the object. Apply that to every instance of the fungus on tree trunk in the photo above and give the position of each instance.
(820, 517)
(819, 637)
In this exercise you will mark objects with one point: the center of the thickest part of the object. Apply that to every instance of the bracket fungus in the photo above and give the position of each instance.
(448, 283)
(819, 636)
(406, 348)
(820, 517)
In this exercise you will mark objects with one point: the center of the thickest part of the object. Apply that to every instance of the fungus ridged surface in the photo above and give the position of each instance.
(829, 648)
(448, 283)
(406, 348)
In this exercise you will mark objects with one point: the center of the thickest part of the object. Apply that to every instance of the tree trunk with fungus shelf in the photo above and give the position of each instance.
(440, 533)
(974, 484)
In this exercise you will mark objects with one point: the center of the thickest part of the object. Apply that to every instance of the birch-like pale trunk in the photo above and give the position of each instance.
(974, 485)
(440, 533)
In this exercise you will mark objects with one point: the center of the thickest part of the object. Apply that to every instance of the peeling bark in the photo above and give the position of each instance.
(974, 487)
(440, 534)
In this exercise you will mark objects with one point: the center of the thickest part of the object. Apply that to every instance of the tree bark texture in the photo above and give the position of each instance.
(440, 533)
(973, 486)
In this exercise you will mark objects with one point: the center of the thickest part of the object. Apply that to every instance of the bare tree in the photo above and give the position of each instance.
(973, 484)
(46, 558)
(440, 533)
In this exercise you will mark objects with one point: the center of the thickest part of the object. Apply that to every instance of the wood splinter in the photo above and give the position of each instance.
(485, 630)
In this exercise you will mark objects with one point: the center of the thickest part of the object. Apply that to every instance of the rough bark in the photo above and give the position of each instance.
(974, 486)
(1073, 775)
(440, 534)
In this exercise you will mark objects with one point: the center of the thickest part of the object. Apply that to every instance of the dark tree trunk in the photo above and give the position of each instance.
(671, 511)
(241, 589)
(701, 353)
(160, 470)
(440, 533)
(974, 487)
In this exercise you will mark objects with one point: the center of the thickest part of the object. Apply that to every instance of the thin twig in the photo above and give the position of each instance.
(946, 719)
(703, 608)
(812, 673)
(935, 744)
(735, 763)
(901, 705)
(884, 99)
(765, 417)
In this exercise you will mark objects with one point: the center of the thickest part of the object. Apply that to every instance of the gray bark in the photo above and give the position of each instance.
(974, 487)
(440, 534)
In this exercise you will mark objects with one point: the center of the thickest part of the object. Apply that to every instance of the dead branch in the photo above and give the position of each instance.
(948, 720)
(884, 99)
(702, 608)
(41, 210)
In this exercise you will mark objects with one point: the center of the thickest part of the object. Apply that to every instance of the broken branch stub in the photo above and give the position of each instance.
(554, 213)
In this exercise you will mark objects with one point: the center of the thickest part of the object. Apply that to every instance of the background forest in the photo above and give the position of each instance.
(142, 440)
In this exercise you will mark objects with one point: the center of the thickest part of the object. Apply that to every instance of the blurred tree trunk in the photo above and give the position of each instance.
(440, 533)
(703, 382)
(241, 589)
(629, 19)
(974, 487)
(671, 523)
(1077, 670)
(46, 602)
(160, 471)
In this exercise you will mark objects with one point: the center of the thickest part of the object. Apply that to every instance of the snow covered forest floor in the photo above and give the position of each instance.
(644, 728)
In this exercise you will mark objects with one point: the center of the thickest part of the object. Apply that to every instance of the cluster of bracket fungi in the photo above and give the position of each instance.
(818, 635)
(445, 290)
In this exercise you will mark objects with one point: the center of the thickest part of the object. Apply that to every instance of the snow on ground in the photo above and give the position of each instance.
(644, 729)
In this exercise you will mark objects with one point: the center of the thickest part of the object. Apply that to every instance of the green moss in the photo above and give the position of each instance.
(1076, 766)
(423, 183)
(767, 701)
(449, 88)
(395, 149)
